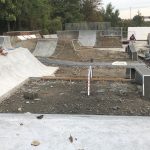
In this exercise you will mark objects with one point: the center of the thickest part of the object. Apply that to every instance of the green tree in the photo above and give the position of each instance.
(55, 25)
(90, 10)
(138, 20)
(9, 11)
(111, 15)
(35, 15)
(68, 11)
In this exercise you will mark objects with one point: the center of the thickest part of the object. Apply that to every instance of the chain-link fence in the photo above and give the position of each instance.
(88, 26)
(112, 31)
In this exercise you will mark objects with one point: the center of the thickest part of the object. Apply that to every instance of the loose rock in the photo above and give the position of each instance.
(35, 143)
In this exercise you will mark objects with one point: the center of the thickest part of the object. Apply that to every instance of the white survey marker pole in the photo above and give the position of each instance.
(90, 74)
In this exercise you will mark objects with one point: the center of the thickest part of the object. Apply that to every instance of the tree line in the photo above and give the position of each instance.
(51, 15)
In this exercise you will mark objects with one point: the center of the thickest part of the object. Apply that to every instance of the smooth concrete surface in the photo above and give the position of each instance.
(45, 47)
(50, 36)
(5, 42)
(74, 132)
(140, 33)
(17, 67)
(87, 37)
(48, 61)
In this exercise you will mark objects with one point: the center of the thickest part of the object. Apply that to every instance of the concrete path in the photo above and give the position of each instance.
(48, 61)
(74, 132)
(45, 47)
(17, 67)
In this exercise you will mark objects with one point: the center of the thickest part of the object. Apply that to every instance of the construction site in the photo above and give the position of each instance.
(82, 78)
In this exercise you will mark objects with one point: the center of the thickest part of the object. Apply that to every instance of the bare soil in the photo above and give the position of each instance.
(119, 72)
(70, 97)
(66, 51)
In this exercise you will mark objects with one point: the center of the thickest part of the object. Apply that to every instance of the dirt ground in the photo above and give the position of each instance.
(85, 54)
(66, 51)
(102, 55)
(70, 97)
(119, 72)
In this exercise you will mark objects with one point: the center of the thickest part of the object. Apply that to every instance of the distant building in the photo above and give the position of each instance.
(146, 18)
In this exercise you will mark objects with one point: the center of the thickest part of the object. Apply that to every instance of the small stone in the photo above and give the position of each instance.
(52, 86)
(30, 94)
(20, 109)
(66, 105)
(37, 99)
(101, 91)
(71, 139)
(116, 108)
(27, 102)
(40, 117)
(83, 92)
(21, 124)
(27, 113)
(61, 93)
(35, 143)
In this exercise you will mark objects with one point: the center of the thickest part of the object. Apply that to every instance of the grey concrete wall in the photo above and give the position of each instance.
(133, 71)
(128, 73)
(138, 78)
(147, 86)
(134, 56)
(148, 39)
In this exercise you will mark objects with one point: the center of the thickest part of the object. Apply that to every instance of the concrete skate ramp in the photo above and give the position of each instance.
(17, 67)
(5, 42)
(108, 41)
(54, 36)
(28, 43)
(139, 32)
(67, 35)
(45, 47)
(64, 48)
(87, 37)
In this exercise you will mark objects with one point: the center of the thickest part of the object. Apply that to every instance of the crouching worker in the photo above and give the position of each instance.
(2, 51)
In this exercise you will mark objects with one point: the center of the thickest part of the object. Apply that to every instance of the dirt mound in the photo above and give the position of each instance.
(65, 51)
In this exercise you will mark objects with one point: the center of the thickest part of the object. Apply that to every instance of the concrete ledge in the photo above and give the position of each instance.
(74, 132)
(141, 74)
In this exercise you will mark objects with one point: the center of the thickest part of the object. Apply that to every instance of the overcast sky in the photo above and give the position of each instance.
(127, 7)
